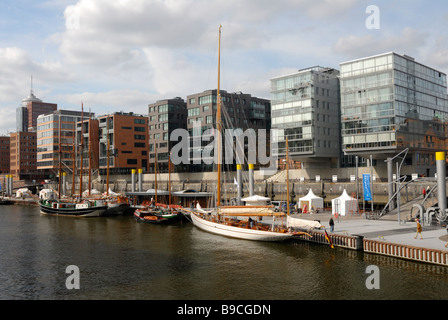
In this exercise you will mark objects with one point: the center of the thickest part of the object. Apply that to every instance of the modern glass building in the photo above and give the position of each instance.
(55, 139)
(305, 109)
(238, 111)
(165, 116)
(390, 102)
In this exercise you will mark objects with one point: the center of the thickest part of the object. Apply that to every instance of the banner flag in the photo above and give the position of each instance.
(366, 185)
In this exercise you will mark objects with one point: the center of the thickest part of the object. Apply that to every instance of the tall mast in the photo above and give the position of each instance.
(287, 176)
(155, 171)
(169, 180)
(74, 156)
(218, 123)
(107, 152)
(60, 158)
(82, 148)
(90, 154)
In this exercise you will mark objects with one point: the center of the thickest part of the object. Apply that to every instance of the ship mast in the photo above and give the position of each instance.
(60, 158)
(169, 180)
(107, 152)
(90, 153)
(74, 156)
(155, 171)
(218, 123)
(82, 148)
(287, 176)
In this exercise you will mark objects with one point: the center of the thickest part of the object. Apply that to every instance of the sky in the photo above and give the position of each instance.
(122, 55)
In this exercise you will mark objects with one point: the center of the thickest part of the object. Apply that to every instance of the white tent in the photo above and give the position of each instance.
(23, 193)
(344, 204)
(311, 202)
(256, 200)
(47, 194)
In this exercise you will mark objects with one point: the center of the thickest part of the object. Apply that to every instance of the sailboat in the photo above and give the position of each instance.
(117, 204)
(72, 207)
(157, 212)
(223, 220)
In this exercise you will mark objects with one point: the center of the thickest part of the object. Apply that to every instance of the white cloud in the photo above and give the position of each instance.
(15, 74)
(7, 121)
(111, 101)
(438, 55)
(409, 42)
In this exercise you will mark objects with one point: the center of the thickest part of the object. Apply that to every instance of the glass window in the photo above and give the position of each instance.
(381, 61)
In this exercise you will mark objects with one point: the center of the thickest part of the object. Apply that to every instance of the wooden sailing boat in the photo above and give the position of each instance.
(72, 207)
(222, 220)
(157, 212)
(117, 204)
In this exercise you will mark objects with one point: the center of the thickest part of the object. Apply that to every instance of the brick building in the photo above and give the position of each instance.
(30, 110)
(127, 137)
(23, 164)
(4, 155)
(88, 145)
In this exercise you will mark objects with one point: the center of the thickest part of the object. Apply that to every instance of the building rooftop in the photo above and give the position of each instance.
(31, 98)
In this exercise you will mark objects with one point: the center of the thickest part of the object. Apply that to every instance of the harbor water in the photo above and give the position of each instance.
(119, 258)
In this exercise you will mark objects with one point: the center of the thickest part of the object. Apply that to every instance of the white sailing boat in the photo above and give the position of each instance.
(223, 222)
(236, 221)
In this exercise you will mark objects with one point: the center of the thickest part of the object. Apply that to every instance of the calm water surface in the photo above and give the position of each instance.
(119, 258)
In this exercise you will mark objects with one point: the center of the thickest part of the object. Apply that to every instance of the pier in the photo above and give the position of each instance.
(385, 236)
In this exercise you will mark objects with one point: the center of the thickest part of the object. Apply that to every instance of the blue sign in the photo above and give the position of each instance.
(366, 185)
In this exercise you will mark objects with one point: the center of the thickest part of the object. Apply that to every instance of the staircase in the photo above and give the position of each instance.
(278, 177)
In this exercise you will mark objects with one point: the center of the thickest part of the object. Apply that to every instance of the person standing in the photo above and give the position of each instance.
(331, 224)
(419, 229)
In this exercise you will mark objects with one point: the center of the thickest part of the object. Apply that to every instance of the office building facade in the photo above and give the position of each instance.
(389, 103)
(305, 109)
(56, 141)
(165, 116)
(126, 134)
(4, 155)
(238, 111)
(23, 164)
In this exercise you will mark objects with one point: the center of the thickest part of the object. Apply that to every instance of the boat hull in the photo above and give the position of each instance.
(238, 232)
(117, 209)
(73, 212)
(153, 219)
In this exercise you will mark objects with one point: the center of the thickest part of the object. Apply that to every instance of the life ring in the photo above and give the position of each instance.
(336, 215)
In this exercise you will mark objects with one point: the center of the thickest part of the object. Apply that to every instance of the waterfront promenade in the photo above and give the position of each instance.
(386, 229)
(386, 236)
